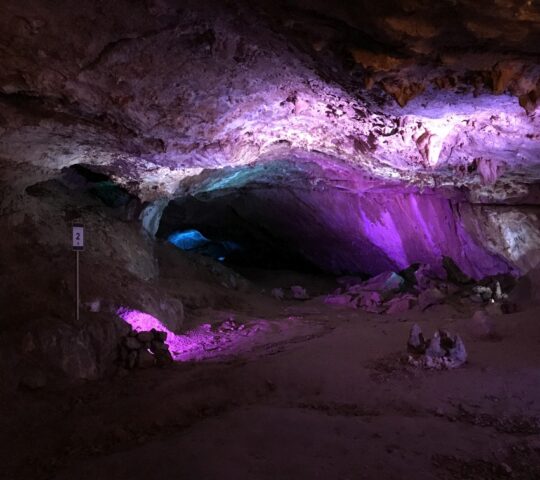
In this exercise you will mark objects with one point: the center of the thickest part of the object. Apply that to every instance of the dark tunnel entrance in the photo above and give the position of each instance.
(317, 216)
(217, 228)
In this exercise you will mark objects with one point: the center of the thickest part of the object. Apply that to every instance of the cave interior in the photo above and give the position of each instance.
(270, 239)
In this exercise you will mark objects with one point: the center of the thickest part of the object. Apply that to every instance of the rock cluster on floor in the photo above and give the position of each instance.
(418, 286)
(442, 351)
(144, 349)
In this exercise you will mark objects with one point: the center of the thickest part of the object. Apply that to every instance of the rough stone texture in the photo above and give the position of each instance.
(182, 85)
(377, 231)
(400, 304)
(162, 95)
(442, 351)
(416, 342)
(362, 137)
(340, 300)
(429, 297)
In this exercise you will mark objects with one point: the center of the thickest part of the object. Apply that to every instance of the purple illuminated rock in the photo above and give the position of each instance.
(457, 354)
(400, 304)
(299, 293)
(416, 343)
(442, 351)
(384, 283)
(341, 300)
(434, 348)
(429, 297)
(429, 276)
(370, 301)
(278, 293)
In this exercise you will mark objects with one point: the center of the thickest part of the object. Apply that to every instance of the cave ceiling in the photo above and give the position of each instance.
(162, 94)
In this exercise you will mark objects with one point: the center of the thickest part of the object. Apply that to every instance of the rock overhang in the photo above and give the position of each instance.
(173, 98)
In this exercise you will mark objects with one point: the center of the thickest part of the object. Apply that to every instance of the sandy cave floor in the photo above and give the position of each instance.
(316, 392)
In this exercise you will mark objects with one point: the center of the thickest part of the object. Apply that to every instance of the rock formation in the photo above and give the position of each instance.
(357, 138)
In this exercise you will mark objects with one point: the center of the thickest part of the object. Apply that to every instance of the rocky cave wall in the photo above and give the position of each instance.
(410, 129)
(368, 232)
(156, 93)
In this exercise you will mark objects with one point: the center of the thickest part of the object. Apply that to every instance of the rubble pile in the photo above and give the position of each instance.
(419, 286)
(441, 351)
(144, 349)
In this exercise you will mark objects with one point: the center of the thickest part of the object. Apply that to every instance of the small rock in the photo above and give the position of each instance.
(458, 354)
(163, 357)
(159, 335)
(429, 297)
(400, 304)
(299, 293)
(370, 301)
(94, 306)
(443, 350)
(337, 299)
(434, 348)
(428, 276)
(277, 293)
(156, 346)
(385, 284)
(416, 343)
(485, 293)
(146, 359)
(498, 294)
(145, 337)
(476, 298)
(132, 343)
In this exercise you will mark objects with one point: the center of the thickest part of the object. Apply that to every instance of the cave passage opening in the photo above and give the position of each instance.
(224, 229)
(321, 217)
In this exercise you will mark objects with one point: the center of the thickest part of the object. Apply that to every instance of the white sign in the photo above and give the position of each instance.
(78, 236)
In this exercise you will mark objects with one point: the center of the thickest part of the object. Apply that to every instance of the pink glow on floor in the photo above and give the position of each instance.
(200, 343)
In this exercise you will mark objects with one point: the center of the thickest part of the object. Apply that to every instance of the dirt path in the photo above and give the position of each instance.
(326, 398)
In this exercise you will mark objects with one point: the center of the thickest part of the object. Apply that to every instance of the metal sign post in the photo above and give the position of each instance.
(77, 240)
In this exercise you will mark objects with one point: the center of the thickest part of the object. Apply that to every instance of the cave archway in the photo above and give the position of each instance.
(319, 214)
